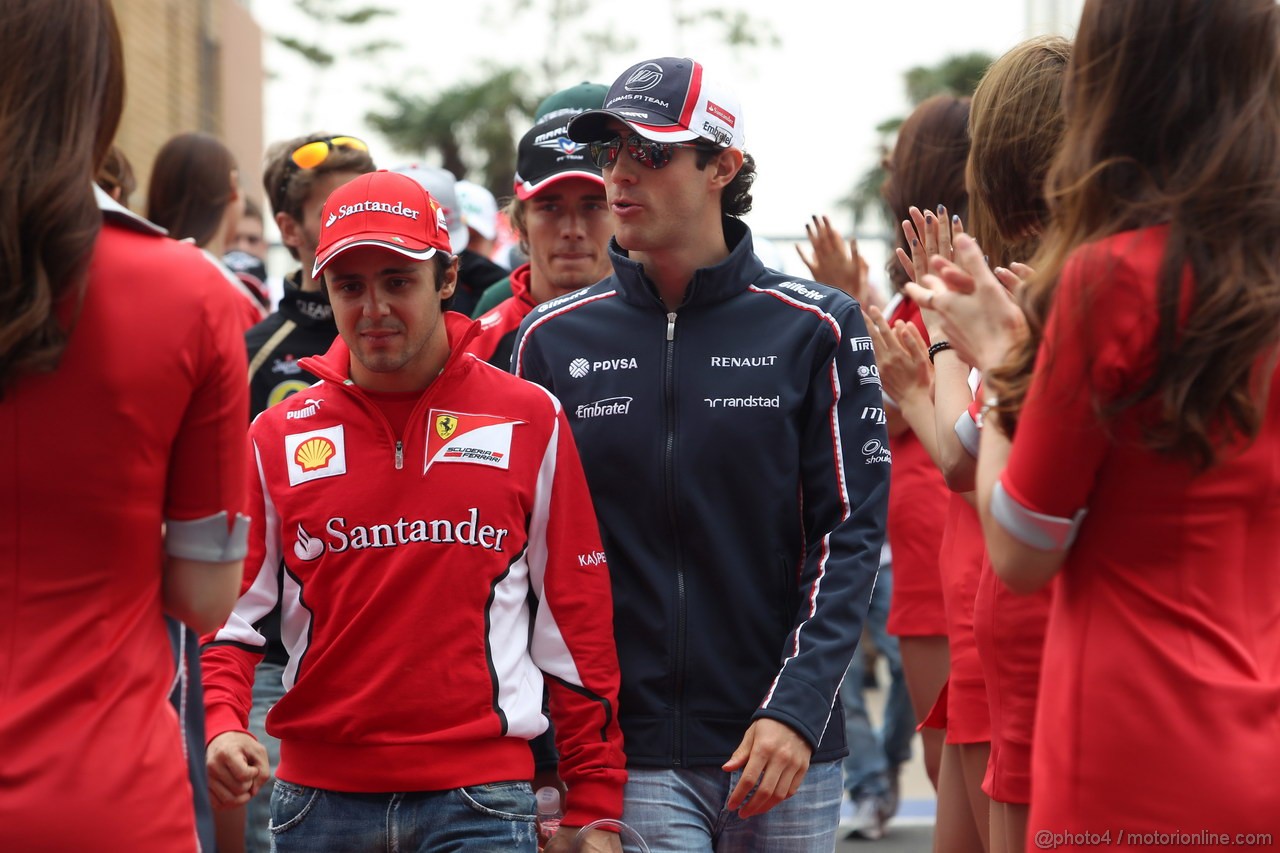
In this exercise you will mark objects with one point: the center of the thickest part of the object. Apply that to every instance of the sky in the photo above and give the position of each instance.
(811, 104)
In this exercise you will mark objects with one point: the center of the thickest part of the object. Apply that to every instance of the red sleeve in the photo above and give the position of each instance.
(1097, 343)
(206, 461)
(573, 639)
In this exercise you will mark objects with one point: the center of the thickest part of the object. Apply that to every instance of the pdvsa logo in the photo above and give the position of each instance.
(644, 78)
(580, 367)
(869, 374)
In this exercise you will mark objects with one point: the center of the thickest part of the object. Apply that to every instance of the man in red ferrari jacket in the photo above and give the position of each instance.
(423, 520)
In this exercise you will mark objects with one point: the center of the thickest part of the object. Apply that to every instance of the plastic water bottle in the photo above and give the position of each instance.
(549, 814)
(630, 839)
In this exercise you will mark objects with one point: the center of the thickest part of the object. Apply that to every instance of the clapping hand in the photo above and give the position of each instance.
(974, 308)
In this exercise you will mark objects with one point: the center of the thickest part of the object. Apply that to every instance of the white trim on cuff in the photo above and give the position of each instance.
(208, 539)
(1046, 532)
(968, 433)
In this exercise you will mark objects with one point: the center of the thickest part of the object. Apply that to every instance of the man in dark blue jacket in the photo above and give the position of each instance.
(728, 420)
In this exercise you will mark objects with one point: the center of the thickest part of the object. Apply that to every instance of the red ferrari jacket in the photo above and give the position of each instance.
(428, 585)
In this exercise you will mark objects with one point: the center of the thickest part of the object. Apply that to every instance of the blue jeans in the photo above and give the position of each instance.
(482, 817)
(682, 811)
(268, 688)
(871, 753)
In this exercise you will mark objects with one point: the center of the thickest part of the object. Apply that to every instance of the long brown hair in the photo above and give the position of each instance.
(926, 168)
(191, 185)
(61, 95)
(1173, 117)
(1015, 125)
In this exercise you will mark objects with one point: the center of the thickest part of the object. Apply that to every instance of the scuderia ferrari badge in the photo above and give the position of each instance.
(469, 438)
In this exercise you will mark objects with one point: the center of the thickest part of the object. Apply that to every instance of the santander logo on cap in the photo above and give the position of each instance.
(384, 209)
(720, 112)
(399, 209)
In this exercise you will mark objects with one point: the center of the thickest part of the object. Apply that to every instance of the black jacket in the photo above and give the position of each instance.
(302, 325)
(475, 274)
(740, 474)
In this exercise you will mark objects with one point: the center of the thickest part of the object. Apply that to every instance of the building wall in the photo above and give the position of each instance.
(190, 65)
(243, 84)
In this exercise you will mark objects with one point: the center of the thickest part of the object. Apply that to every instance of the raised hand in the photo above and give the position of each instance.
(976, 312)
(835, 264)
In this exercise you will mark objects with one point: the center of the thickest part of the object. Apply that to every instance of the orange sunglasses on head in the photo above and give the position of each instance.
(312, 154)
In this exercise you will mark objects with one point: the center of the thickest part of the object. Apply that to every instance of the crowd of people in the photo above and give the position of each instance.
(360, 559)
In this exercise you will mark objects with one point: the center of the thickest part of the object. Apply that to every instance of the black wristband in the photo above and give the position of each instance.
(937, 348)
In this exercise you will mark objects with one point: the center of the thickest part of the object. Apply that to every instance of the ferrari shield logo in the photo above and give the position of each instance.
(446, 425)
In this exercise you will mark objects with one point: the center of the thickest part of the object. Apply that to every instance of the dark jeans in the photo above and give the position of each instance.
(499, 816)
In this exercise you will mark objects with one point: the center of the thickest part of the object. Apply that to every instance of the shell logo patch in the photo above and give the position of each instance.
(469, 438)
(315, 454)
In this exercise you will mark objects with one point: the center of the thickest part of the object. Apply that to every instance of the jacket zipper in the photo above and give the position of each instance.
(354, 391)
(681, 604)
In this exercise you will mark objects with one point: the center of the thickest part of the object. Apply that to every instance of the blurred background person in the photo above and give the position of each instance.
(480, 213)
(116, 177)
(194, 194)
(246, 254)
(565, 103)
(249, 235)
(298, 176)
(562, 216)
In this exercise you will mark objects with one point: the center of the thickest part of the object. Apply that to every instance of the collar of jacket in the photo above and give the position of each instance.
(335, 365)
(709, 284)
(520, 285)
(308, 309)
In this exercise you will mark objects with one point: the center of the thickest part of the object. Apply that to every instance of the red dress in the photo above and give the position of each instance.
(918, 499)
(1160, 695)
(142, 421)
(1009, 630)
(962, 706)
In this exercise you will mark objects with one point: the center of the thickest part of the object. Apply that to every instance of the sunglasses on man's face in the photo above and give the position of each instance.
(653, 154)
(312, 154)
